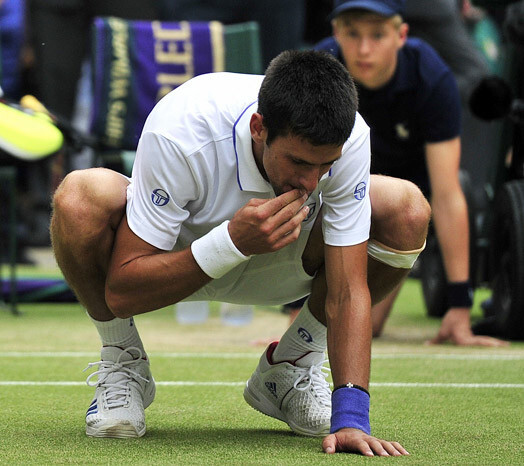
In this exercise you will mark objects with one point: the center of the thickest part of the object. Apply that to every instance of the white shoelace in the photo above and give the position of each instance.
(117, 391)
(316, 375)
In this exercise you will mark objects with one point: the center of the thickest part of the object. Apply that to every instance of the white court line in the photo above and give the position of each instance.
(239, 384)
(449, 356)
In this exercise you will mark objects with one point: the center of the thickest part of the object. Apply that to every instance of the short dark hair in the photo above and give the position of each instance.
(308, 94)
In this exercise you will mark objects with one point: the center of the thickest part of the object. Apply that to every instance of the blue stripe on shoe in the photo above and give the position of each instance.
(93, 408)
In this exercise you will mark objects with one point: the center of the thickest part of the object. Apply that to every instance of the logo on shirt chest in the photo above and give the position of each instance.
(402, 131)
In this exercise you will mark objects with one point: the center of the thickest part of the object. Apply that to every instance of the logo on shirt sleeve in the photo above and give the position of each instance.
(159, 197)
(360, 191)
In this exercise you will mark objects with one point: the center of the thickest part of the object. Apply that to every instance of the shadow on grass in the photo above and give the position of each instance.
(233, 438)
(234, 434)
(215, 445)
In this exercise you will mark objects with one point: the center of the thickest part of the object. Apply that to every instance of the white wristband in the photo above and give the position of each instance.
(215, 252)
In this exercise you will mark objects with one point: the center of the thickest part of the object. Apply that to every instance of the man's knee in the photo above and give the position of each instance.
(412, 216)
(90, 197)
(415, 210)
(400, 214)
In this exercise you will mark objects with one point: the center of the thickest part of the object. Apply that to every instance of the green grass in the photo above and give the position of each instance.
(439, 423)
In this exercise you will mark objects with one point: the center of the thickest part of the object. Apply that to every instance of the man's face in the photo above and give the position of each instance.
(293, 163)
(369, 46)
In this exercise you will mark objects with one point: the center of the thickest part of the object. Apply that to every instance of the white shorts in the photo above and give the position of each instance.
(279, 278)
(265, 279)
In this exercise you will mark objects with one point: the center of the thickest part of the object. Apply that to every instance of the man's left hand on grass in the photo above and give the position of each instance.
(356, 441)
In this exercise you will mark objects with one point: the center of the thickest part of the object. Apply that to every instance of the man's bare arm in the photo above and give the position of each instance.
(348, 315)
(143, 278)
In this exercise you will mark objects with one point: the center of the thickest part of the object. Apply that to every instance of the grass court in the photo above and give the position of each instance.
(446, 405)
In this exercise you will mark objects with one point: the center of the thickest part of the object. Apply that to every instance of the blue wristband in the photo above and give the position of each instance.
(350, 408)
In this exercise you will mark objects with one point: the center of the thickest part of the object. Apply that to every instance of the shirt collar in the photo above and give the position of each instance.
(249, 177)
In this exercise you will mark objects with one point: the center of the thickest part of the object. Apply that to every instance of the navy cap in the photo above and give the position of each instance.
(382, 7)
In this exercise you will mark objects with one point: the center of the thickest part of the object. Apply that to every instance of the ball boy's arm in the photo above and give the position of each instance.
(450, 215)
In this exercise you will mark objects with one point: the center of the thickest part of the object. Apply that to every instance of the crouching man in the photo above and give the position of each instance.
(246, 189)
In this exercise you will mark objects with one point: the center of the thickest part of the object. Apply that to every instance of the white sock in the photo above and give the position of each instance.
(119, 332)
(304, 335)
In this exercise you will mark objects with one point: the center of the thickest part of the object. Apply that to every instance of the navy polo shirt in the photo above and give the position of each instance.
(419, 105)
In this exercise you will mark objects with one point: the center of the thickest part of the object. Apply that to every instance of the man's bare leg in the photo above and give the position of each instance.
(380, 311)
(87, 209)
(399, 219)
(398, 229)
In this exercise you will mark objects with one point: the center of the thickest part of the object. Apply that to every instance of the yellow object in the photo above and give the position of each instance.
(32, 103)
(28, 135)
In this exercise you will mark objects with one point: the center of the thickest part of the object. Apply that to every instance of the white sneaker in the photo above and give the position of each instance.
(297, 393)
(125, 387)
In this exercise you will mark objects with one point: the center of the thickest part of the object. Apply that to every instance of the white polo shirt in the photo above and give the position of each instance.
(195, 168)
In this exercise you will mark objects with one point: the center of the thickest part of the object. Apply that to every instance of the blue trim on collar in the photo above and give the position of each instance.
(235, 142)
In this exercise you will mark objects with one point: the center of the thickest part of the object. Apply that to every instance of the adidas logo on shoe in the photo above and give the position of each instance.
(272, 387)
(303, 399)
(93, 408)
